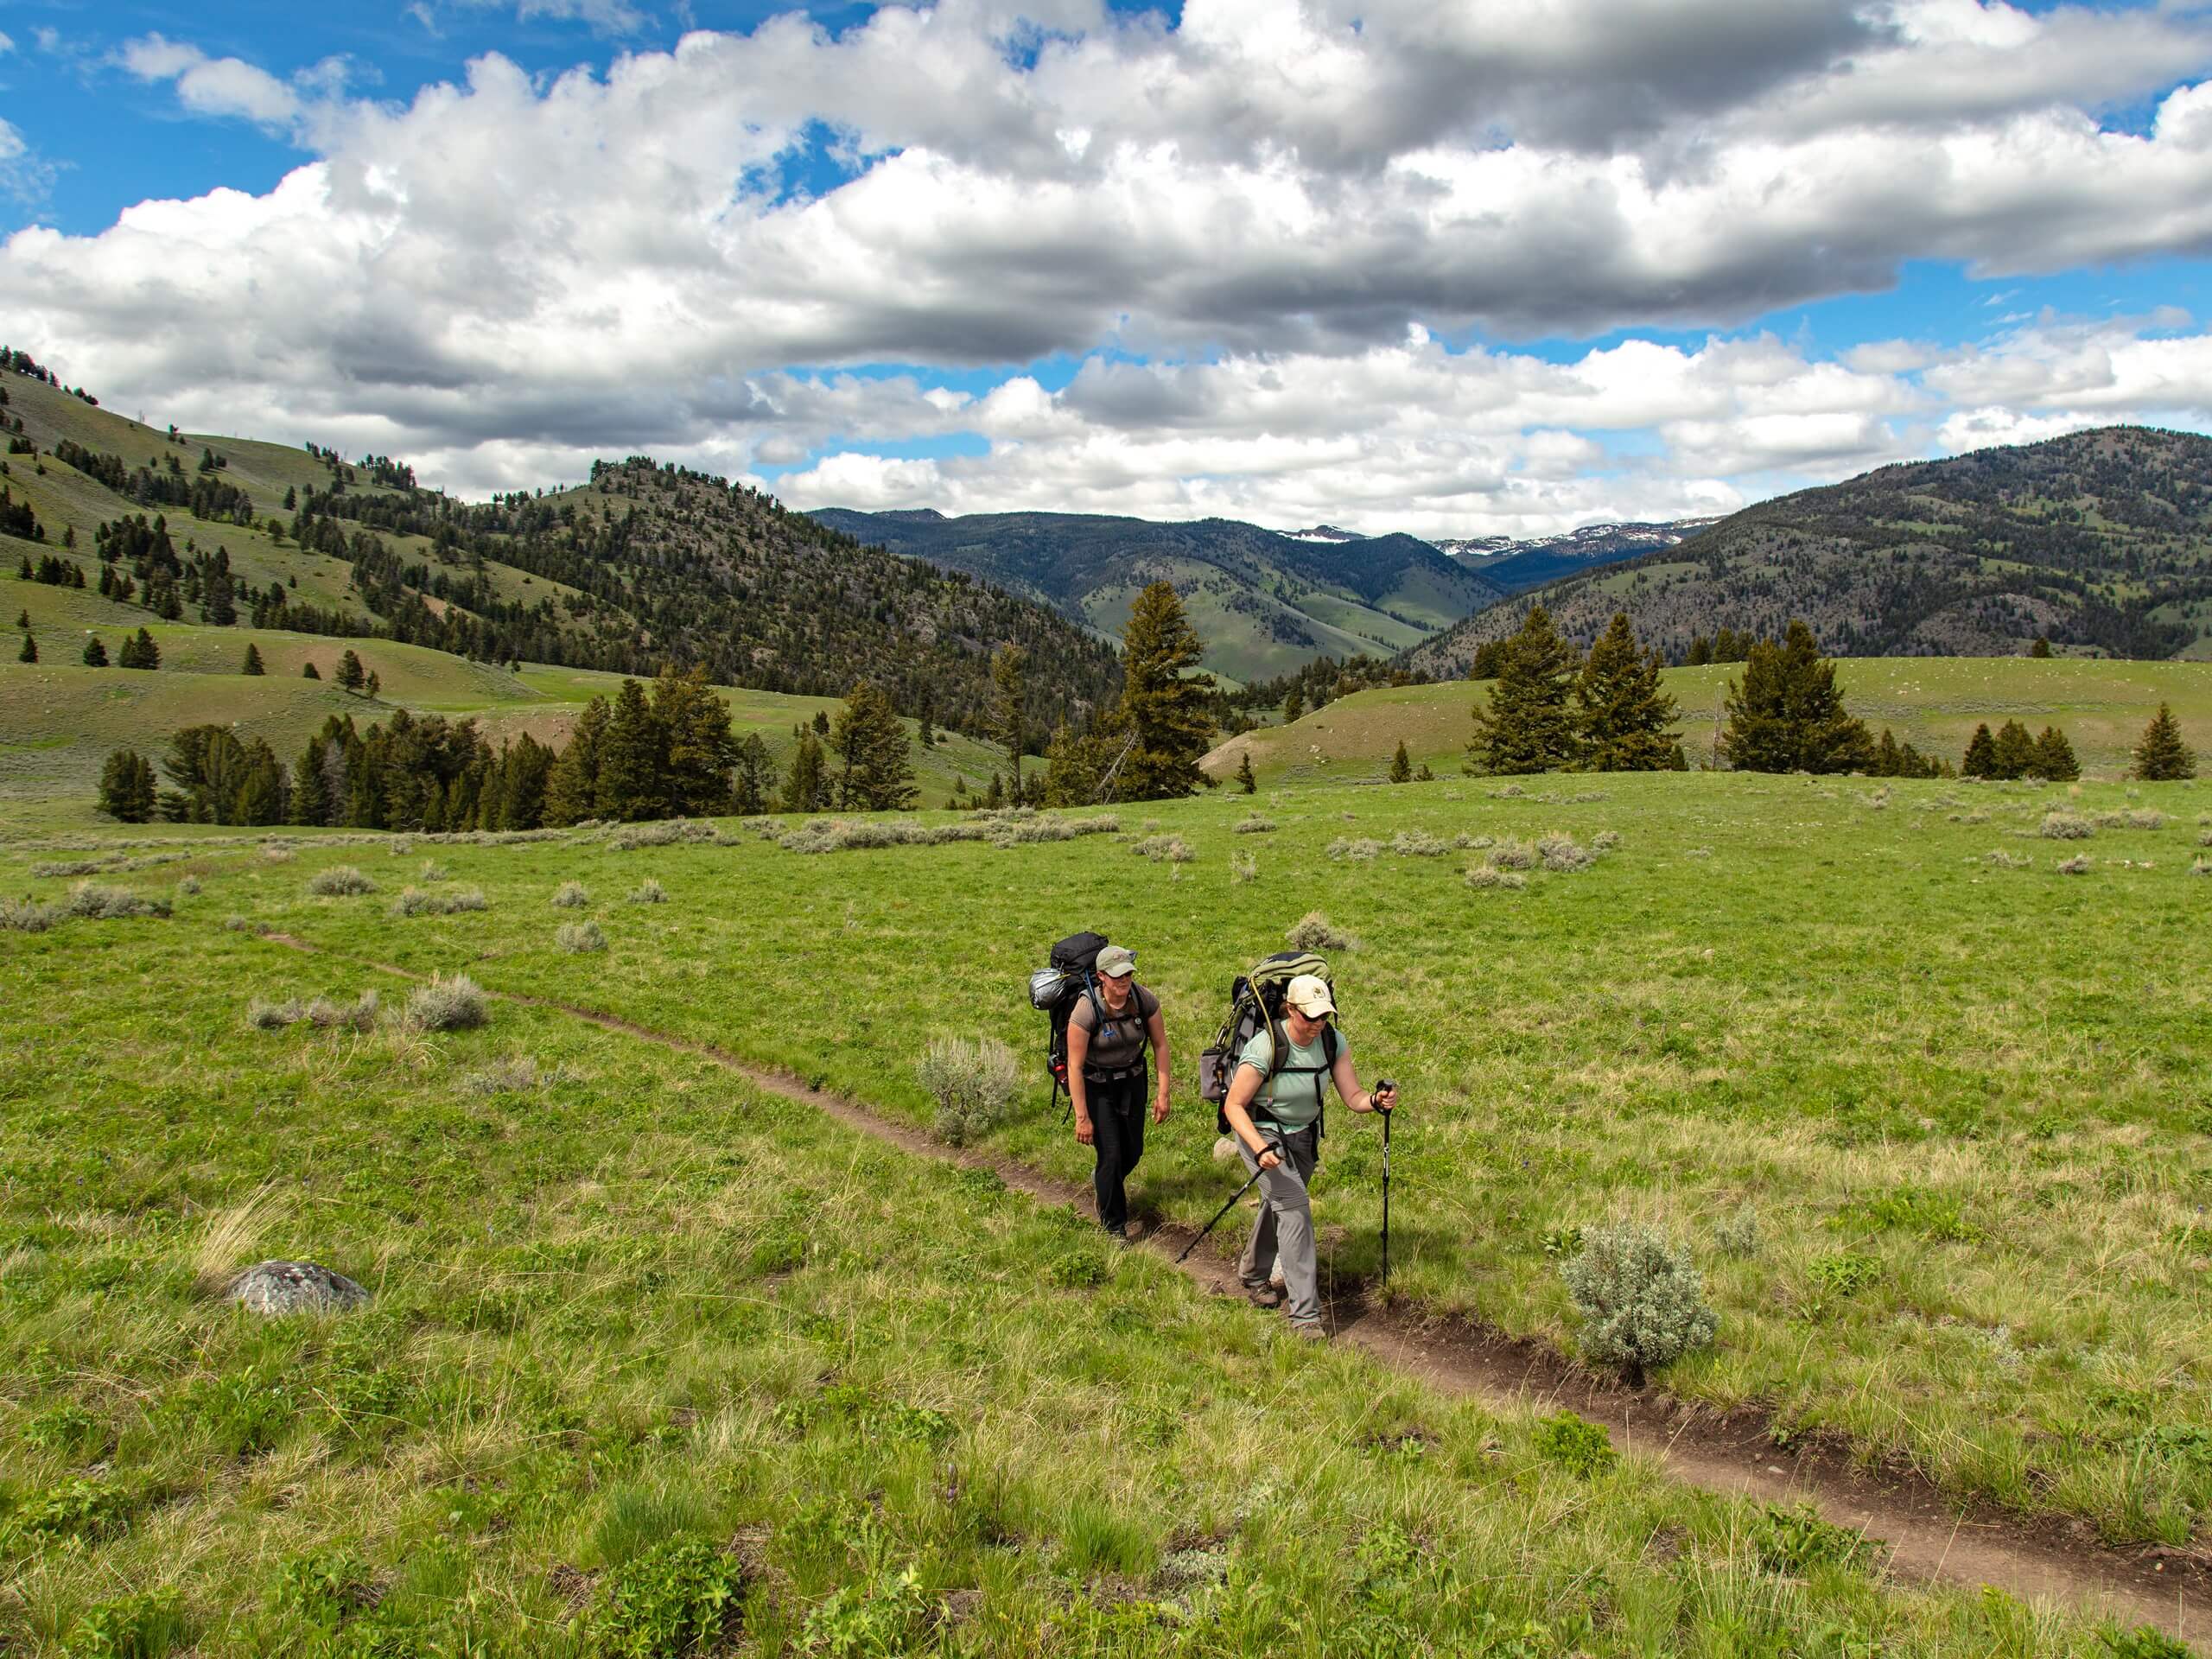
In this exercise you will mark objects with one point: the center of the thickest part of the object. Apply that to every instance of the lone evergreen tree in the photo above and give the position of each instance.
(1007, 664)
(29, 653)
(95, 653)
(253, 664)
(806, 787)
(870, 739)
(2042, 646)
(1787, 715)
(1164, 700)
(1625, 720)
(2015, 751)
(351, 674)
(2161, 757)
(1250, 784)
(309, 671)
(140, 652)
(1294, 707)
(1528, 726)
(1402, 765)
(2055, 761)
(1980, 758)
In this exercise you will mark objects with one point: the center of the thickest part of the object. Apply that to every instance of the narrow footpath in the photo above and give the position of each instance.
(1925, 1535)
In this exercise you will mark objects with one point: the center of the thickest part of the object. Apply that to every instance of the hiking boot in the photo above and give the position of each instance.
(1132, 1232)
(1119, 1235)
(1311, 1330)
(1265, 1295)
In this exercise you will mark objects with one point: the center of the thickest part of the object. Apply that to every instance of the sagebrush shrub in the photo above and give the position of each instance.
(1314, 931)
(1564, 854)
(433, 871)
(339, 881)
(1641, 1297)
(571, 896)
(2077, 865)
(1489, 875)
(1171, 849)
(1604, 840)
(456, 1004)
(2203, 867)
(2005, 861)
(1245, 866)
(1417, 844)
(1466, 842)
(665, 833)
(1253, 824)
(190, 887)
(2059, 824)
(579, 939)
(28, 915)
(275, 855)
(413, 901)
(649, 891)
(360, 1014)
(1514, 853)
(974, 1081)
(262, 1015)
(1358, 848)
(96, 903)
(515, 1074)
(1738, 1235)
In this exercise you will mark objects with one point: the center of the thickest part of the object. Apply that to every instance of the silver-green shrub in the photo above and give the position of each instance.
(456, 1004)
(339, 881)
(1314, 931)
(974, 1081)
(2059, 824)
(572, 895)
(579, 939)
(1641, 1299)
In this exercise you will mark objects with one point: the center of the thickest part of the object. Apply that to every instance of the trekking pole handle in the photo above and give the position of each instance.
(1383, 1086)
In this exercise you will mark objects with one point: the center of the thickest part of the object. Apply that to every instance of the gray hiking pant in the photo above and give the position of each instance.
(1284, 1229)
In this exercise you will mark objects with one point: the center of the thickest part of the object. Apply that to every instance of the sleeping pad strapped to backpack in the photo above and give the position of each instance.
(1255, 1005)
(1057, 990)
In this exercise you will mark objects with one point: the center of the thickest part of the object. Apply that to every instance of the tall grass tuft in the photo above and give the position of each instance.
(973, 1080)
(339, 881)
(1243, 867)
(229, 1242)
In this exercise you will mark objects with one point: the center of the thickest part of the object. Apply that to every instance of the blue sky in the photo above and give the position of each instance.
(1372, 264)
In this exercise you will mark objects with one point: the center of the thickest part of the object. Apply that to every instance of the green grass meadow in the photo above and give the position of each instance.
(644, 1341)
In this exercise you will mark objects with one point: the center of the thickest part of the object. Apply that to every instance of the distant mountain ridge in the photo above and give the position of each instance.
(1263, 602)
(2100, 540)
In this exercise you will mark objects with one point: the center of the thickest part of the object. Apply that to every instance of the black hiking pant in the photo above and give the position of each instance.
(1117, 1136)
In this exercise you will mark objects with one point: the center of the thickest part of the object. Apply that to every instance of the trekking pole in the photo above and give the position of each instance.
(1224, 1211)
(1385, 1084)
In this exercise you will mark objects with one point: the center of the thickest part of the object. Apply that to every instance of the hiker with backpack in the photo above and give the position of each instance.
(1273, 1106)
(1108, 1033)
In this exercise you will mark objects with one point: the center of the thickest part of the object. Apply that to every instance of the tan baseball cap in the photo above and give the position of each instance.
(1118, 961)
(1309, 994)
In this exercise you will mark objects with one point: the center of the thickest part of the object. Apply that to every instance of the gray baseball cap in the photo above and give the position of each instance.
(1118, 961)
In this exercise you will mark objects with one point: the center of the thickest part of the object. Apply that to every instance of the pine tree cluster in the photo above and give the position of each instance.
(1551, 709)
(1787, 713)
(2011, 754)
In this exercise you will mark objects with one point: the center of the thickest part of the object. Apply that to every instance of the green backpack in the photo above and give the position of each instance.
(1255, 1005)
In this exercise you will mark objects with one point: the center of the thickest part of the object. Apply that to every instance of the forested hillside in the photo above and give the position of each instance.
(1264, 603)
(646, 565)
(2101, 542)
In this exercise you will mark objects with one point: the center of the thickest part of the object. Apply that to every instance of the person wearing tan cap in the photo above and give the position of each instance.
(1274, 1108)
(1107, 1037)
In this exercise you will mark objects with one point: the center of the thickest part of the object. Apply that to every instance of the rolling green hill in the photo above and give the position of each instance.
(1933, 703)
(2102, 541)
(1264, 603)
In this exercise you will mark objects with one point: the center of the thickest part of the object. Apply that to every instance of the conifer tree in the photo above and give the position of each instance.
(1402, 765)
(351, 674)
(1250, 784)
(994, 797)
(2015, 751)
(375, 686)
(1889, 761)
(2161, 757)
(1007, 663)
(701, 748)
(95, 653)
(632, 759)
(260, 795)
(127, 787)
(2042, 646)
(572, 786)
(1624, 721)
(23, 619)
(29, 653)
(753, 789)
(252, 664)
(1528, 726)
(310, 789)
(1072, 770)
(1164, 700)
(806, 787)
(1700, 651)
(2055, 761)
(140, 652)
(1980, 758)
(870, 740)
(1787, 713)
(1294, 707)
(309, 671)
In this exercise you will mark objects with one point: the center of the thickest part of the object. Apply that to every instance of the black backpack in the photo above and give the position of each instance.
(1055, 990)
(1256, 1004)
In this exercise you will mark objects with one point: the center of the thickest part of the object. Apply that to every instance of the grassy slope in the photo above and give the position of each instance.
(59, 721)
(621, 1300)
(1984, 1082)
(1933, 703)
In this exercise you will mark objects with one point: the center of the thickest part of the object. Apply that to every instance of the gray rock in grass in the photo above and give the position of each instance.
(275, 1287)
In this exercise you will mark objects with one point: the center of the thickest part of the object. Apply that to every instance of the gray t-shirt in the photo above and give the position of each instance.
(1118, 1044)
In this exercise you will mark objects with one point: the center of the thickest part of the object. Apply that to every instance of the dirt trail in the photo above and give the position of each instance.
(1926, 1534)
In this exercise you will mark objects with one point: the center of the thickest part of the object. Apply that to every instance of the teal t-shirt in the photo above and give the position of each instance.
(1290, 1100)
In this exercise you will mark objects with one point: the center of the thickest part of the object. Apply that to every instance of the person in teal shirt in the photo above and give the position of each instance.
(1274, 1108)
